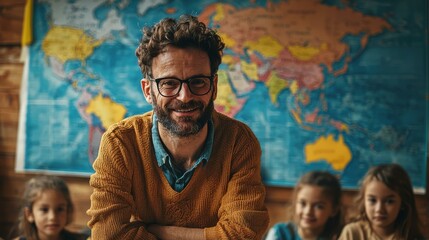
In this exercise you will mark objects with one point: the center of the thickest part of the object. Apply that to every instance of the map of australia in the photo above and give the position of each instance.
(337, 86)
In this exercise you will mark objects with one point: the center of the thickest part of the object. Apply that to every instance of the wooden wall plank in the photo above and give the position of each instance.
(10, 55)
(11, 16)
(10, 77)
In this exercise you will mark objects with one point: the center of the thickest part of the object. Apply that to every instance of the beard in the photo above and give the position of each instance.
(185, 126)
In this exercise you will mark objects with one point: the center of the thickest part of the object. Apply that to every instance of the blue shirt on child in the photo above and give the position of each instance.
(283, 231)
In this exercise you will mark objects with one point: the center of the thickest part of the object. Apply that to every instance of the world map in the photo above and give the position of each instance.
(330, 85)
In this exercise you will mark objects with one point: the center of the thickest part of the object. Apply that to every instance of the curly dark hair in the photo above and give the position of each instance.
(185, 32)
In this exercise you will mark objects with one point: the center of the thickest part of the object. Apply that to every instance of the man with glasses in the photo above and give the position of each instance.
(183, 170)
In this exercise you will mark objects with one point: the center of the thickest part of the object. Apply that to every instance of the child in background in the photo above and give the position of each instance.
(317, 209)
(386, 206)
(47, 209)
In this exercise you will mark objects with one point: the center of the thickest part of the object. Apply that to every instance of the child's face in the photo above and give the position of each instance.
(382, 206)
(49, 213)
(313, 209)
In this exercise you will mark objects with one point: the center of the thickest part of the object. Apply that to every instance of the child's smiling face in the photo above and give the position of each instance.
(313, 209)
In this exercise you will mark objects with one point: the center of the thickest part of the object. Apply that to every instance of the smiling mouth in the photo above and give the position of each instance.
(185, 110)
(180, 107)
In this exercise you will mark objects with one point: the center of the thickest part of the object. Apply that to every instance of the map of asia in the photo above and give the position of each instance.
(332, 85)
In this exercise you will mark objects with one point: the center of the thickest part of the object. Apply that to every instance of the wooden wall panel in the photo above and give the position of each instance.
(11, 15)
(11, 183)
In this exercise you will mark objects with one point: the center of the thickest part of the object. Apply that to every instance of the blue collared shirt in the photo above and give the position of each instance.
(177, 178)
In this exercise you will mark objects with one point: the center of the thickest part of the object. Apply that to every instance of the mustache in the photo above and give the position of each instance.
(181, 105)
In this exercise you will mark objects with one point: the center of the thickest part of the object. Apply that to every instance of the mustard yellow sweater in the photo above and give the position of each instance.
(225, 196)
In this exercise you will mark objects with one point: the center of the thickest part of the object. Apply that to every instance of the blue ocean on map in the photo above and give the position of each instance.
(332, 85)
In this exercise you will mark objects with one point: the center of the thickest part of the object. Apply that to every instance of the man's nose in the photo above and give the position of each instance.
(184, 93)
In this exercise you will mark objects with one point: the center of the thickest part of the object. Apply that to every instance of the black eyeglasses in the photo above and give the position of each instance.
(171, 86)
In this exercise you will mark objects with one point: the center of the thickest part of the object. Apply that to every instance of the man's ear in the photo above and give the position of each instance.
(145, 85)
(28, 215)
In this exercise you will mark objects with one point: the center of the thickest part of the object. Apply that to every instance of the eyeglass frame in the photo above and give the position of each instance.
(157, 80)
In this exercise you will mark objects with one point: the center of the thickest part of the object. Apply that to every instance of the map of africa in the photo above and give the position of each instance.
(331, 85)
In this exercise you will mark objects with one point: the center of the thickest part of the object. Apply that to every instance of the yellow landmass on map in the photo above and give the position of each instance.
(303, 53)
(294, 87)
(296, 116)
(225, 96)
(229, 42)
(108, 111)
(227, 59)
(66, 43)
(250, 69)
(266, 45)
(275, 86)
(220, 13)
(335, 152)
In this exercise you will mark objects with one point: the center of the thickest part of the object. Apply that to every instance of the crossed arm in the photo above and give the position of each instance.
(114, 210)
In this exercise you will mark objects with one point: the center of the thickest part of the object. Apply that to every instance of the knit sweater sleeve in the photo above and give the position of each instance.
(242, 214)
(112, 203)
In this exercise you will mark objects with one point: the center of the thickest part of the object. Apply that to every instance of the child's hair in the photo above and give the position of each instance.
(331, 188)
(33, 190)
(407, 223)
